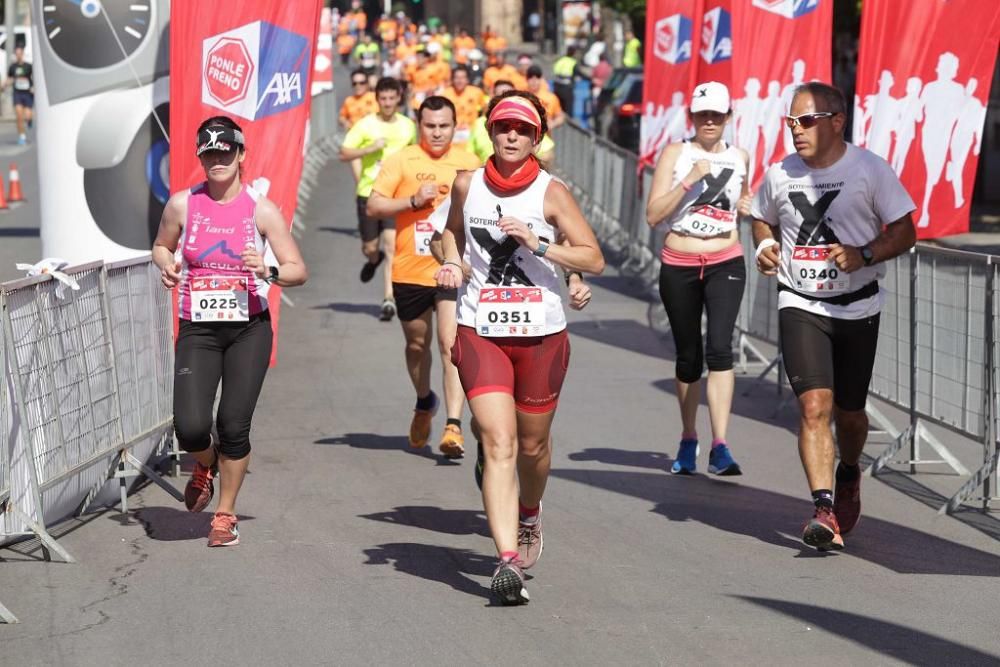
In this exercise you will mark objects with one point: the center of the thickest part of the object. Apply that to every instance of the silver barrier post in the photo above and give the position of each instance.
(5, 614)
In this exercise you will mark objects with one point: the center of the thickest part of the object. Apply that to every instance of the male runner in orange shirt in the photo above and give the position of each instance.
(502, 70)
(359, 103)
(410, 185)
(553, 109)
(462, 45)
(469, 103)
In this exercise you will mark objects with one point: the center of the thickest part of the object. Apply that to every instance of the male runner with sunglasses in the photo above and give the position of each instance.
(825, 219)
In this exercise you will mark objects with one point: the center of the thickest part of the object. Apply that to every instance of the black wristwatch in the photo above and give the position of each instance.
(867, 255)
(272, 276)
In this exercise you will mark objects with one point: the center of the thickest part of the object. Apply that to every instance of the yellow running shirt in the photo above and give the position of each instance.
(398, 134)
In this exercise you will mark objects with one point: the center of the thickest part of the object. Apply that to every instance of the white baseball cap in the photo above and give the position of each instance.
(710, 96)
(433, 47)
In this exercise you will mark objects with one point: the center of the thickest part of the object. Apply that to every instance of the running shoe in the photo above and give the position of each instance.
(720, 462)
(200, 488)
(529, 541)
(368, 270)
(388, 310)
(480, 464)
(225, 531)
(452, 442)
(22, 140)
(508, 583)
(420, 426)
(687, 458)
(822, 531)
(847, 502)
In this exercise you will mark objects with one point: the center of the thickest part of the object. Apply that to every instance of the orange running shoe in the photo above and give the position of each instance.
(452, 442)
(823, 531)
(225, 531)
(200, 488)
(420, 426)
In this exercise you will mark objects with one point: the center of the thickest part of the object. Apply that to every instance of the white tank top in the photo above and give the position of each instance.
(498, 260)
(721, 189)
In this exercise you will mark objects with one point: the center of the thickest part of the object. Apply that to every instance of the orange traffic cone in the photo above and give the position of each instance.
(3, 202)
(14, 194)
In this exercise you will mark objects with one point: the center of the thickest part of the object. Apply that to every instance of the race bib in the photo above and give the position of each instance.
(220, 299)
(423, 232)
(707, 221)
(510, 311)
(813, 272)
(22, 83)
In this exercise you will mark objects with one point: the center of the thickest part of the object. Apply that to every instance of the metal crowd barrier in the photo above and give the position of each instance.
(938, 341)
(87, 393)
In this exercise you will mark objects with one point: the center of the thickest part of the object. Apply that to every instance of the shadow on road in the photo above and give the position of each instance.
(167, 524)
(387, 442)
(890, 639)
(346, 231)
(450, 522)
(625, 334)
(452, 567)
(777, 519)
(371, 309)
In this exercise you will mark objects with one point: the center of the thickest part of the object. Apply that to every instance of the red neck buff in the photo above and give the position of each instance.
(521, 179)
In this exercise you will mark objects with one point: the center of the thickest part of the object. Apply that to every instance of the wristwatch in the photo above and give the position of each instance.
(867, 255)
(272, 276)
(540, 250)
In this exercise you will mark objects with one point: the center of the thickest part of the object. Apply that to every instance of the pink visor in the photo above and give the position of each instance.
(516, 108)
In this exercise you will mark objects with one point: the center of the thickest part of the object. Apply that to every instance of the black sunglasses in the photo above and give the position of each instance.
(807, 120)
(359, 82)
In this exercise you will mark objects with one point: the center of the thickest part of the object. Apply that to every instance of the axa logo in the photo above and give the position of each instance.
(790, 9)
(716, 36)
(256, 70)
(673, 39)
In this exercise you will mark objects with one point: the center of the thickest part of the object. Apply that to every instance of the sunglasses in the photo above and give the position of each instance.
(504, 126)
(359, 83)
(807, 120)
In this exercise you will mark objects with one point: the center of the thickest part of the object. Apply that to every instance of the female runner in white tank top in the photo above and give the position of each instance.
(700, 187)
(511, 347)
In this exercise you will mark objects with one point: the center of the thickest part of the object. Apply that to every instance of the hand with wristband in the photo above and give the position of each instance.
(451, 275)
(768, 256)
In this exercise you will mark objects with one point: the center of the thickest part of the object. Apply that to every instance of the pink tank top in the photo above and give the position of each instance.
(214, 235)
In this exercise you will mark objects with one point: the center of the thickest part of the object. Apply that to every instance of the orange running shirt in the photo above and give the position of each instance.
(551, 104)
(402, 175)
(356, 107)
(468, 105)
(506, 73)
(461, 47)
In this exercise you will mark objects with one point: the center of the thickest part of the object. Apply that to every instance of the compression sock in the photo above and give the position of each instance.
(847, 473)
(427, 402)
(454, 422)
(823, 498)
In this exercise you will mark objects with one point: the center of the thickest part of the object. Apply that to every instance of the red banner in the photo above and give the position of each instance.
(921, 101)
(323, 68)
(252, 61)
(799, 38)
(672, 37)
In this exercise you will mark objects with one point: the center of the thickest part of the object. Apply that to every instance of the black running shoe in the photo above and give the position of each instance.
(480, 464)
(368, 270)
(508, 583)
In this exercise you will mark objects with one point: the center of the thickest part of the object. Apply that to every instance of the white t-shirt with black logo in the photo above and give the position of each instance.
(847, 203)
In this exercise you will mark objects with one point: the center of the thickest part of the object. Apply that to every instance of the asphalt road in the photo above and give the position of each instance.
(355, 550)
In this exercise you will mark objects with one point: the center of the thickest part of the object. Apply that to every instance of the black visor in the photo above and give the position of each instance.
(219, 138)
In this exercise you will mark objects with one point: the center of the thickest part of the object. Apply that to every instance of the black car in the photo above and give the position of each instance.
(621, 118)
(610, 86)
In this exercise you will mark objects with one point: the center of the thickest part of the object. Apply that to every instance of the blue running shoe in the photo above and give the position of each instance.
(687, 458)
(720, 462)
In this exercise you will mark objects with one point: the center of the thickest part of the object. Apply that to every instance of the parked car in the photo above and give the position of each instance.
(623, 115)
(614, 81)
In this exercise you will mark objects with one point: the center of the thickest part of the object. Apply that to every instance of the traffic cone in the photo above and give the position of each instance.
(3, 202)
(14, 194)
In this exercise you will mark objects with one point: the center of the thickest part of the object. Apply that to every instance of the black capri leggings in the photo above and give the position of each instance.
(685, 291)
(238, 353)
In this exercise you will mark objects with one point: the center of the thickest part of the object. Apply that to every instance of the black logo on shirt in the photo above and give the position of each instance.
(814, 230)
(714, 194)
(503, 268)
